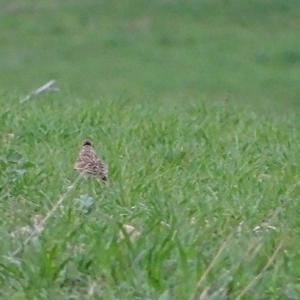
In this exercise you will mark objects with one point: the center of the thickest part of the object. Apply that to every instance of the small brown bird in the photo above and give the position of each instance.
(89, 164)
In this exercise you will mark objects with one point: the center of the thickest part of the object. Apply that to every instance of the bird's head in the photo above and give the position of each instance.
(87, 143)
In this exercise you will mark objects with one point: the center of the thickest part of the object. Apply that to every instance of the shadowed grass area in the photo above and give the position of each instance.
(174, 96)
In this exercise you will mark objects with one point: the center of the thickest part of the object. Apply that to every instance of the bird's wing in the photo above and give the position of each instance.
(79, 165)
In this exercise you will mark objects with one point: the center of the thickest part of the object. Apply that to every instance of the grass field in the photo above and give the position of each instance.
(194, 105)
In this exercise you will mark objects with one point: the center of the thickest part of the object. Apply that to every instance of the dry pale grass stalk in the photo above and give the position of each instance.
(259, 275)
(205, 294)
(40, 226)
(251, 252)
(253, 248)
(213, 262)
(47, 87)
(91, 289)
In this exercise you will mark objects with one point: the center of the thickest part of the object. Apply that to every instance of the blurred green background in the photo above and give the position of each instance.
(209, 50)
(136, 78)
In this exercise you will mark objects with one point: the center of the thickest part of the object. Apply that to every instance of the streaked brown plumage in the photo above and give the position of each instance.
(89, 164)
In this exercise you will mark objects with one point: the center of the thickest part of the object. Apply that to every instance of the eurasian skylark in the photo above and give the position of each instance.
(89, 164)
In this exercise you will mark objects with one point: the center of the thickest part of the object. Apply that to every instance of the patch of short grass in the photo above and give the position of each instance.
(187, 182)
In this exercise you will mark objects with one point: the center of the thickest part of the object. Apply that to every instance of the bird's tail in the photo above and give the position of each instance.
(104, 180)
